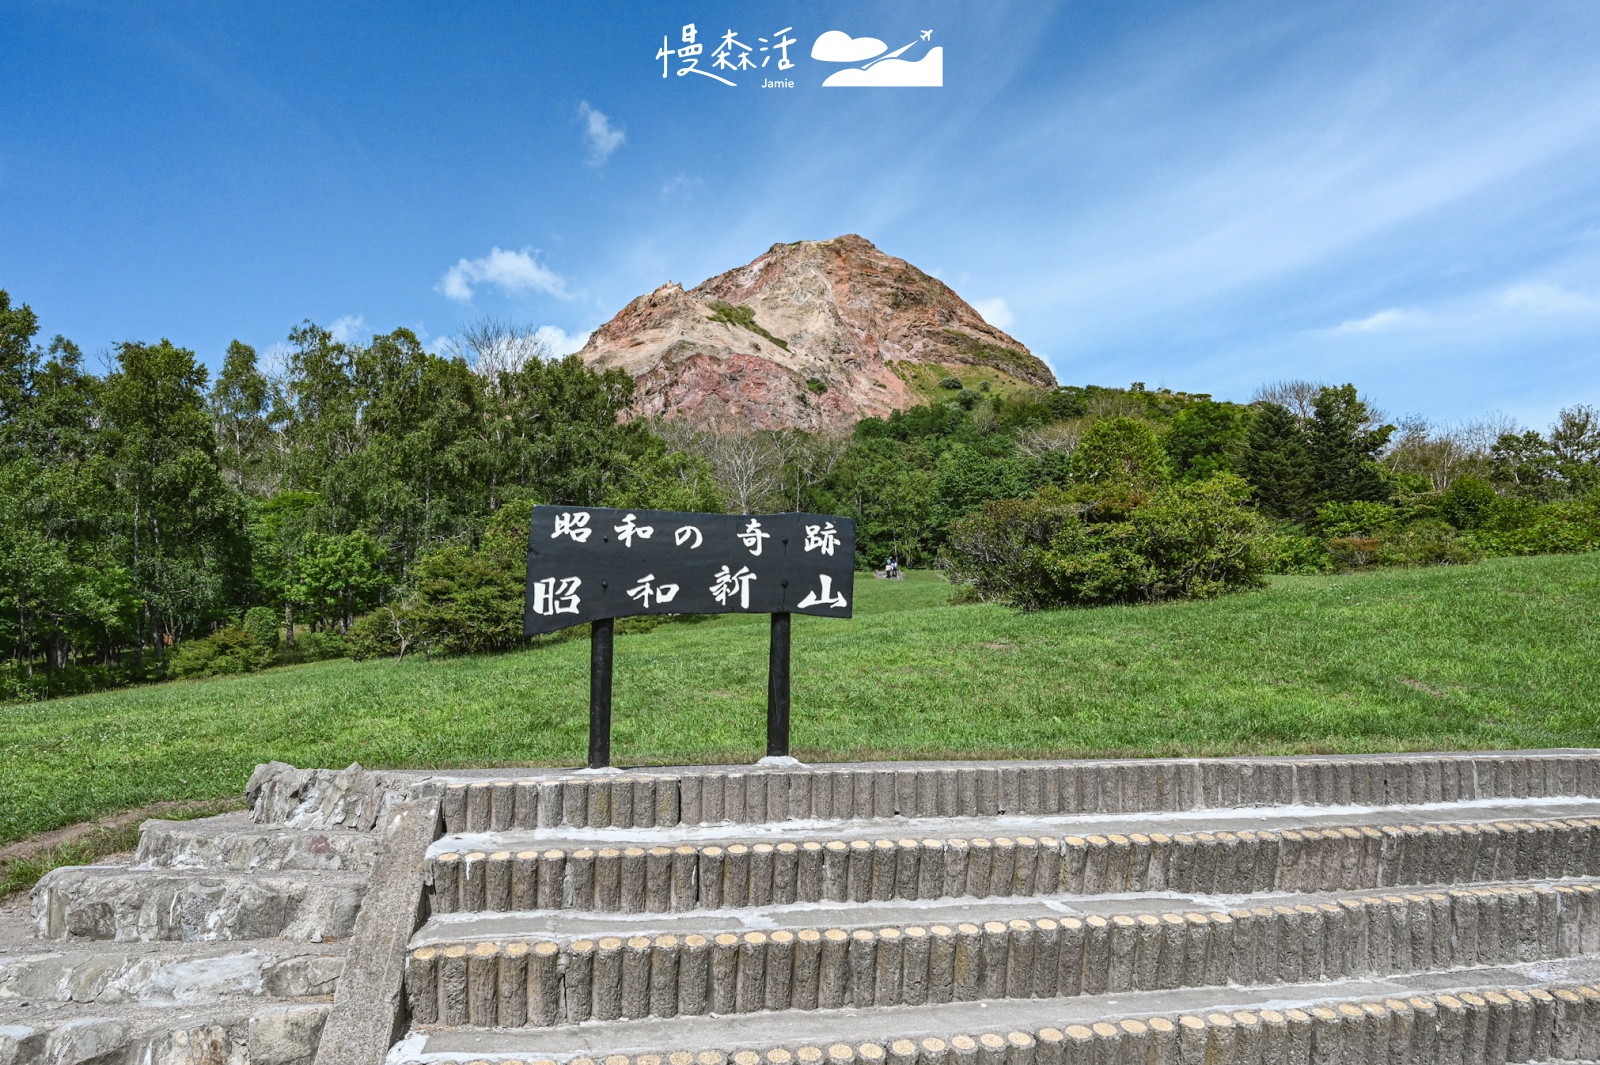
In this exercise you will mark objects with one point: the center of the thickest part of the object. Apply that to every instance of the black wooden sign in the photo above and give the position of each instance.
(596, 564)
(590, 563)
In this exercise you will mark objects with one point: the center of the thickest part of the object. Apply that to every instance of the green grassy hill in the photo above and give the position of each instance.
(1503, 654)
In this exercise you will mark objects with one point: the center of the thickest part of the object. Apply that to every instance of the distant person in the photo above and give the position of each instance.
(891, 569)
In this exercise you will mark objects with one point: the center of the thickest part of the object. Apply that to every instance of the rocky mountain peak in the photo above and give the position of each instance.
(806, 335)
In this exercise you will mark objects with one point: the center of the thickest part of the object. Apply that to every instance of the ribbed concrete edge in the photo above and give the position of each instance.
(713, 876)
(648, 798)
(1559, 1022)
(544, 983)
(369, 1009)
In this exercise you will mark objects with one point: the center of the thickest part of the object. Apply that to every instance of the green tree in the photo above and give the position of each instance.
(890, 488)
(18, 359)
(1524, 464)
(1119, 455)
(240, 405)
(1204, 438)
(337, 576)
(1277, 462)
(1344, 451)
(179, 527)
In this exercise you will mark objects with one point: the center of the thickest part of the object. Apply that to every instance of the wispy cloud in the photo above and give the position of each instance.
(514, 273)
(996, 312)
(1538, 297)
(599, 134)
(680, 186)
(1384, 321)
(349, 327)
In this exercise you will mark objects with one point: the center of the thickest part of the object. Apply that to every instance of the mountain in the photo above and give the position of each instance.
(808, 335)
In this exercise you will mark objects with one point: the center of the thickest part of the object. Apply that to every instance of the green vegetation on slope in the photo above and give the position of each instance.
(744, 317)
(1501, 655)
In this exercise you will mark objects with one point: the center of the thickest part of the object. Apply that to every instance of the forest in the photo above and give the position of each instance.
(336, 498)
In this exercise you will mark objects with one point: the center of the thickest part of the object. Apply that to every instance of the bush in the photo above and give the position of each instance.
(1522, 527)
(314, 647)
(1358, 521)
(1294, 552)
(265, 624)
(1354, 552)
(1188, 542)
(388, 631)
(1430, 543)
(1468, 502)
(230, 650)
(952, 383)
(17, 685)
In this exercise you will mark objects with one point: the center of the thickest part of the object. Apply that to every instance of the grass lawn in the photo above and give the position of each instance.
(1502, 654)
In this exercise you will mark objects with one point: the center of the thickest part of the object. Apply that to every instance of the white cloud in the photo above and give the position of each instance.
(559, 341)
(514, 273)
(996, 312)
(349, 327)
(836, 46)
(680, 186)
(602, 137)
(1539, 297)
(1383, 321)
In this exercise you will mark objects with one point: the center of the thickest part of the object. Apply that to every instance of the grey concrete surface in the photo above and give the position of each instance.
(117, 903)
(368, 1009)
(234, 842)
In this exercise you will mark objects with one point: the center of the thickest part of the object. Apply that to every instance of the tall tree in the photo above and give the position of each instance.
(1344, 452)
(181, 526)
(1276, 460)
(240, 403)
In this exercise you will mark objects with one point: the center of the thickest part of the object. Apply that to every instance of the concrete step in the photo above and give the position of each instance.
(121, 903)
(281, 1034)
(233, 841)
(805, 966)
(1476, 1016)
(657, 798)
(511, 871)
(170, 974)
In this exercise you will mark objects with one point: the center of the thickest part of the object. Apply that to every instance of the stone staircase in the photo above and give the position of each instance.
(1407, 908)
(222, 940)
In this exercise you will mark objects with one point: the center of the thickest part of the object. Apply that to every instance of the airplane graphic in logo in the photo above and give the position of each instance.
(873, 66)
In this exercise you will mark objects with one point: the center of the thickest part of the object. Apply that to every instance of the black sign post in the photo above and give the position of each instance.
(778, 687)
(595, 564)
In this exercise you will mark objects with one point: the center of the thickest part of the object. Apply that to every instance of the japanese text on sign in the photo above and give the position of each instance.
(589, 563)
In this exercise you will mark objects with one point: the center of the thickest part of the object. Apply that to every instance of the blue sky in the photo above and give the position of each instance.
(1198, 195)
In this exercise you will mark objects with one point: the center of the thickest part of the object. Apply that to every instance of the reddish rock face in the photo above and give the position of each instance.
(807, 335)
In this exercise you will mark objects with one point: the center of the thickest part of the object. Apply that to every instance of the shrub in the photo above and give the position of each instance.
(395, 630)
(1360, 520)
(1429, 543)
(1294, 552)
(1522, 527)
(1468, 502)
(1188, 542)
(229, 650)
(952, 383)
(314, 647)
(264, 624)
(1119, 455)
